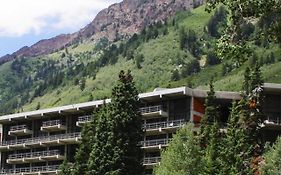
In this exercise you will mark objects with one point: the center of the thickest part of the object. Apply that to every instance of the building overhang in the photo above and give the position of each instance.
(79, 108)
(158, 94)
(272, 88)
(74, 108)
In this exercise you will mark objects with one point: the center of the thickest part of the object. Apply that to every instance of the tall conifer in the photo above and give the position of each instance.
(116, 148)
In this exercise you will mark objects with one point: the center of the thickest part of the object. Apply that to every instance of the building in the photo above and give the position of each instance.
(37, 142)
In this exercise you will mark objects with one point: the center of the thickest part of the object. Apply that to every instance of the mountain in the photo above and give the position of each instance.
(178, 52)
(118, 21)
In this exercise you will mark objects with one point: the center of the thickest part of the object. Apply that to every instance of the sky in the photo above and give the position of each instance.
(25, 22)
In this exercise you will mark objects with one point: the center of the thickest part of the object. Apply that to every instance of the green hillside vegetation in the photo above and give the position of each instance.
(178, 52)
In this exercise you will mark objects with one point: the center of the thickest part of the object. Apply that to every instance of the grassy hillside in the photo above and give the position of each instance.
(155, 58)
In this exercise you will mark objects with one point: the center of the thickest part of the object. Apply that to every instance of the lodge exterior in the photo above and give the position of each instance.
(37, 142)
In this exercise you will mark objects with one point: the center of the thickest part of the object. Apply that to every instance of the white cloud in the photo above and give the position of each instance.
(19, 17)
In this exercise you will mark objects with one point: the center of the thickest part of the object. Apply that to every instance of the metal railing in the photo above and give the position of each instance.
(18, 127)
(85, 118)
(35, 154)
(32, 169)
(150, 109)
(155, 142)
(41, 139)
(166, 124)
(275, 120)
(52, 123)
(151, 160)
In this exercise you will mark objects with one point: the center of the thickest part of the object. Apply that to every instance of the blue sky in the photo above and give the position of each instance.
(24, 22)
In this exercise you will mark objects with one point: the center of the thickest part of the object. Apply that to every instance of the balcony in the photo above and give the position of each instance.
(154, 145)
(53, 125)
(52, 169)
(43, 141)
(160, 127)
(153, 112)
(51, 155)
(272, 122)
(83, 119)
(19, 130)
(150, 162)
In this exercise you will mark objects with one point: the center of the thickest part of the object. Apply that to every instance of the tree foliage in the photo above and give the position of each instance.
(183, 156)
(272, 159)
(65, 168)
(118, 130)
(242, 13)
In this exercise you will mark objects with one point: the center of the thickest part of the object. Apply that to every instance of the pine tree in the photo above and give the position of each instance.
(210, 116)
(235, 149)
(116, 148)
(82, 153)
(211, 152)
(65, 168)
(246, 82)
(210, 135)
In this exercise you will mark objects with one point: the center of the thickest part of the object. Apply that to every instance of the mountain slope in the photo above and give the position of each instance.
(87, 70)
(118, 21)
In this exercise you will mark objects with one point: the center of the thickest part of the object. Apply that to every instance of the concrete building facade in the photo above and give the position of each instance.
(37, 142)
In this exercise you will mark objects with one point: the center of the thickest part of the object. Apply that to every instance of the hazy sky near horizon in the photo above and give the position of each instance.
(24, 22)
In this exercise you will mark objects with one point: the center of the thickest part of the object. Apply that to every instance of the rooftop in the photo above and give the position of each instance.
(149, 96)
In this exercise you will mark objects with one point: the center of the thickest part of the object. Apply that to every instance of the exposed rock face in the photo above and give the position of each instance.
(116, 22)
(131, 16)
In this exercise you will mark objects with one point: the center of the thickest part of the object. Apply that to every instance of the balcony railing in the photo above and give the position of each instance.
(273, 120)
(38, 169)
(167, 124)
(83, 119)
(34, 154)
(41, 139)
(51, 123)
(18, 127)
(151, 109)
(151, 160)
(150, 143)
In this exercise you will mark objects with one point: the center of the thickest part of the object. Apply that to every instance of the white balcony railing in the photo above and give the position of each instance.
(166, 124)
(150, 143)
(18, 127)
(273, 120)
(151, 160)
(41, 139)
(52, 123)
(83, 119)
(38, 169)
(151, 109)
(34, 154)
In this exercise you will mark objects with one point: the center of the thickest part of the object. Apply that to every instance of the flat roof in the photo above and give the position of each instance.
(272, 87)
(157, 94)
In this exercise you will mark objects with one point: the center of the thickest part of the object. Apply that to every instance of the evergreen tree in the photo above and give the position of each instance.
(235, 149)
(183, 156)
(118, 131)
(210, 134)
(82, 153)
(212, 151)
(210, 116)
(182, 38)
(175, 75)
(246, 82)
(65, 168)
